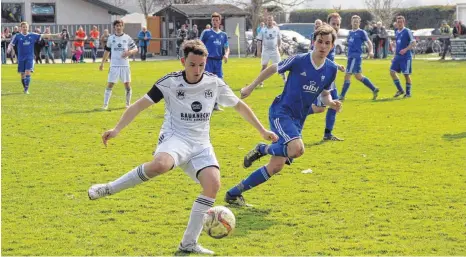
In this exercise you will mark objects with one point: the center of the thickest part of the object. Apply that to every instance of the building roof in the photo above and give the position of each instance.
(111, 8)
(193, 10)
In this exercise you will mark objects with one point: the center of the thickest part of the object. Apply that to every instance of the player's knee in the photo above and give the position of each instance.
(274, 167)
(157, 167)
(295, 149)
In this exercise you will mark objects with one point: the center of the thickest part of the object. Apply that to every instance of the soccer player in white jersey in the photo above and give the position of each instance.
(121, 46)
(268, 43)
(184, 140)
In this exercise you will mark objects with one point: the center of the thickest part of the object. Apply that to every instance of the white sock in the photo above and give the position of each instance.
(194, 229)
(130, 179)
(129, 92)
(107, 94)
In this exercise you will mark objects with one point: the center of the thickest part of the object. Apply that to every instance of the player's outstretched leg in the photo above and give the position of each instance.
(142, 173)
(281, 153)
(368, 84)
(209, 179)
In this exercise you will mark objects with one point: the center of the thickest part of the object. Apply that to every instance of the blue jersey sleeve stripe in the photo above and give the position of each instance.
(283, 65)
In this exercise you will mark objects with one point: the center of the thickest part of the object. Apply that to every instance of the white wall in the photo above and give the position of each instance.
(461, 12)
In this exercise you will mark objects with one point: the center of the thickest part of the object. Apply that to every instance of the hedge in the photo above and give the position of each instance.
(416, 17)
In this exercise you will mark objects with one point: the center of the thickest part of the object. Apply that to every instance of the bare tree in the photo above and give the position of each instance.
(383, 10)
(256, 8)
(147, 6)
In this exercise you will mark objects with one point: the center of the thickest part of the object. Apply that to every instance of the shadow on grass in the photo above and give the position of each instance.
(13, 93)
(308, 145)
(451, 137)
(250, 219)
(181, 253)
(94, 110)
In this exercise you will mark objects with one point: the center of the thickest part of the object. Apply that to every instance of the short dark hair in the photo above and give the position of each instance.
(119, 21)
(194, 46)
(323, 30)
(399, 17)
(216, 14)
(333, 15)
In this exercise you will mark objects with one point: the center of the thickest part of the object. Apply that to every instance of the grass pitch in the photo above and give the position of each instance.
(395, 186)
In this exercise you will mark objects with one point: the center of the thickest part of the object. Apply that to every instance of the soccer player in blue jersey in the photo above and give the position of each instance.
(356, 39)
(334, 20)
(25, 42)
(402, 62)
(310, 75)
(216, 42)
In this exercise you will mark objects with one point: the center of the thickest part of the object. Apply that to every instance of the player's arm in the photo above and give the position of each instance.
(127, 117)
(370, 47)
(226, 47)
(104, 58)
(411, 44)
(246, 112)
(265, 74)
(12, 44)
(328, 101)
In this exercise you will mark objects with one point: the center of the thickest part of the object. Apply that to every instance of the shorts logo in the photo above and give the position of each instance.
(180, 94)
(208, 93)
(196, 106)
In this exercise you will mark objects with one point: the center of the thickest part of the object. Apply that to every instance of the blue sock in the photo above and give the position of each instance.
(408, 88)
(330, 121)
(256, 178)
(398, 84)
(22, 82)
(345, 88)
(277, 150)
(368, 84)
(27, 81)
(262, 149)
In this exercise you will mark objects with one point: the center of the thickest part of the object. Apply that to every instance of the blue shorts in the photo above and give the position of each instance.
(333, 92)
(354, 65)
(401, 65)
(214, 66)
(286, 128)
(26, 65)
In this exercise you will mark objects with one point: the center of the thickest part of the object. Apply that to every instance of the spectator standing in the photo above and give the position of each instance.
(48, 48)
(181, 35)
(15, 48)
(144, 37)
(80, 37)
(459, 29)
(193, 33)
(63, 44)
(94, 42)
(8, 38)
(4, 49)
(38, 48)
(445, 32)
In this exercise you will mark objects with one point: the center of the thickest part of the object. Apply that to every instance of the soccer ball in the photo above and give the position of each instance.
(219, 222)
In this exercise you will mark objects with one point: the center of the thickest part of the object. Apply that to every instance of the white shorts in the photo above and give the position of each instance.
(191, 158)
(274, 57)
(122, 73)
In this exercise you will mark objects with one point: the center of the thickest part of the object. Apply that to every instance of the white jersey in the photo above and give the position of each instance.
(188, 107)
(270, 38)
(117, 45)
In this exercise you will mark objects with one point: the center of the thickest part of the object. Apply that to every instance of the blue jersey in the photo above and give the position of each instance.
(331, 54)
(304, 84)
(25, 45)
(356, 39)
(404, 38)
(215, 43)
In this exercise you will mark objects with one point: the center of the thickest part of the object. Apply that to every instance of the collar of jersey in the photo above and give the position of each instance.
(313, 64)
(185, 80)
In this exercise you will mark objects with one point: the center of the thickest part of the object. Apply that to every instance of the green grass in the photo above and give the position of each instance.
(395, 186)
